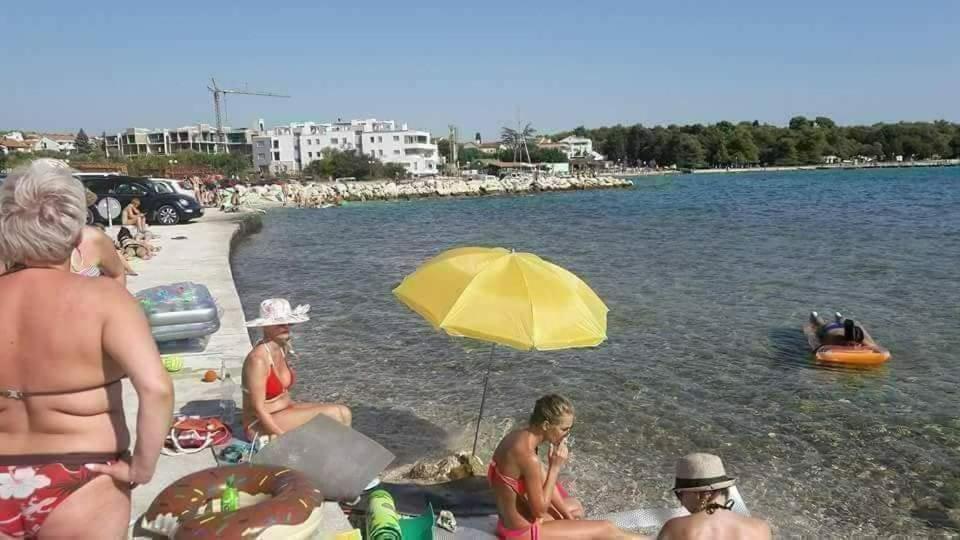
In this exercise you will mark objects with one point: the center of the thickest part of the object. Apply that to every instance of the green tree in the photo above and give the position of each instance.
(615, 145)
(784, 152)
(824, 122)
(468, 155)
(443, 148)
(688, 151)
(340, 164)
(799, 122)
(742, 148)
(82, 142)
(955, 143)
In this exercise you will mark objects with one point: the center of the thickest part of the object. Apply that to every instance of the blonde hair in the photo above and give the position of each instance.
(550, 408)
(42, 213)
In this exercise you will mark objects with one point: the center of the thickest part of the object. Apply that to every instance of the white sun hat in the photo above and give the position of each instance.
(275, 311)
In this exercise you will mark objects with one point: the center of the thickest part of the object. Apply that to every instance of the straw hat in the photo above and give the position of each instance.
(275, 311)
(701, 472)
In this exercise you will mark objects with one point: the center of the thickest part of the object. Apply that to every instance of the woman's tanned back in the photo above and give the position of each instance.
(51, 339)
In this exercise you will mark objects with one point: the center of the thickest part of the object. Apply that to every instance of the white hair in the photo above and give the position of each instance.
(42, 213)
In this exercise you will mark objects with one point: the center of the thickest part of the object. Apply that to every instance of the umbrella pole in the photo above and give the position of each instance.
(483, 400)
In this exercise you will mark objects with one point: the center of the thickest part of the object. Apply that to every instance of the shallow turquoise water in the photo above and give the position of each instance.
(708, 279)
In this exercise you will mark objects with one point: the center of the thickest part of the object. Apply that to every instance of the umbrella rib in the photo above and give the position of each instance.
(526, 285)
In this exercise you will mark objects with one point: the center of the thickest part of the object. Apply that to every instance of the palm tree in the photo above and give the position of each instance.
(517, 139)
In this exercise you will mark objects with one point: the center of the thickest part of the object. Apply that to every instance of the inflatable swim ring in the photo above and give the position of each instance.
(274, 503)
(867, 353)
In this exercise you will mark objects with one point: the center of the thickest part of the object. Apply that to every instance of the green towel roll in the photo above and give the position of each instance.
(383, 521)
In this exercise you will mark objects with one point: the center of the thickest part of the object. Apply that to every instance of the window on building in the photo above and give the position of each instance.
(309, 154)
(262, 156)
(379, 139)
(317, 141)
(415, 165)
(276, 143)
(309, 142)
(333, 141)
(396, 152)
(371, 139)
(380, 152)
(259, 144)
(396, 138)
(276, 156)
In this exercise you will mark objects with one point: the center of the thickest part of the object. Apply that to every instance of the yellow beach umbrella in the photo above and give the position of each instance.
(506, 298)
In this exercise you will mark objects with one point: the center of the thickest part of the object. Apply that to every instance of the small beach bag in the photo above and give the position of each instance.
(192, 434)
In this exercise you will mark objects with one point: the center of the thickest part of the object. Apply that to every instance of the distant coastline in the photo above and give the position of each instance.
(782, 168)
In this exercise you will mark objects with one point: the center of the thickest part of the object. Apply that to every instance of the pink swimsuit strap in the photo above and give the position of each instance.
(494, 475)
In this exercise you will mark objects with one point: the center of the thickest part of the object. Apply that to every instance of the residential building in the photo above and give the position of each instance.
(198, 138)
(53, 142)
(293, 147)
(580, 147)
(489, 149)
(8, 146)
(277, 151)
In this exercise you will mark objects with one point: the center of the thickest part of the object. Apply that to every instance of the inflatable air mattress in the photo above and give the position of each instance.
(180, 311)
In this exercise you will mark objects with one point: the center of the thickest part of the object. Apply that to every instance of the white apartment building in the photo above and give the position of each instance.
(580, 147)
(292, 148)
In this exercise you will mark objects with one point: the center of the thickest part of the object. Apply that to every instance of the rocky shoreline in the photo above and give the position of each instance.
(319, 194)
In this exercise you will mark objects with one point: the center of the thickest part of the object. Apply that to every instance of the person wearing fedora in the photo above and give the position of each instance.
(702, 485)
(268, 376)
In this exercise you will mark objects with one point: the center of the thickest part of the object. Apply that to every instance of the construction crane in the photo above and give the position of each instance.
(218, 96)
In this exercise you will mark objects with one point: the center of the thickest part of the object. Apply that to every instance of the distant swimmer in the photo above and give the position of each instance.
(703, 488)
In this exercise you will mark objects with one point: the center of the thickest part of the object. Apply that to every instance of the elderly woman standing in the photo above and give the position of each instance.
(268, 376)
(67, 342)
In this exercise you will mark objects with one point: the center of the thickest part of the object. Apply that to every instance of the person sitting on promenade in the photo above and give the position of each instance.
(134, 217)
(702, 485)
(67, 341)
(267, 377)
(96, 256)
(531, 503)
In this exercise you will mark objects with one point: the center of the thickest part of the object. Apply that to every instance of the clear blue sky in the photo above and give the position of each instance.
(479, 64)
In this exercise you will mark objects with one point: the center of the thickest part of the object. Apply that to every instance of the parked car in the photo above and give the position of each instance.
(159, 204)
(172, 185)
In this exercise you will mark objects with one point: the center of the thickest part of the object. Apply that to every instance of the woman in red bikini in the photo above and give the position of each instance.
(268, 376)
(67, 340)
(530, 501)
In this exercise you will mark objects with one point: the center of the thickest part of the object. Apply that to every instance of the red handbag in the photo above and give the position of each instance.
(192, 434)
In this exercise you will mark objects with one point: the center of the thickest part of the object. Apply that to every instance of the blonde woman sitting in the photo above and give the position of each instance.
(531, 503)
(268, 408)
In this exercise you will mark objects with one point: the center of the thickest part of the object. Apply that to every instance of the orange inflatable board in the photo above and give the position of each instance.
(861, 355)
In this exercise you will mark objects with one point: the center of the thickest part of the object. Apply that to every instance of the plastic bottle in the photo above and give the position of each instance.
(228, 406)
(230, 499)
(383, 522)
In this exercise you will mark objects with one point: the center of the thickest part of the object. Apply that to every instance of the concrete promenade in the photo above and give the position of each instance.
(202, 257)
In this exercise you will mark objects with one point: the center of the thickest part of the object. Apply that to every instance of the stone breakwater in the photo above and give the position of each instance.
(319, 194)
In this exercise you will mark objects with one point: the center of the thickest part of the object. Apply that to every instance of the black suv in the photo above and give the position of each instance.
(158, 203)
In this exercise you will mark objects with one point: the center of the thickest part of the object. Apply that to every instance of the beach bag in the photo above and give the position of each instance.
(192, 434)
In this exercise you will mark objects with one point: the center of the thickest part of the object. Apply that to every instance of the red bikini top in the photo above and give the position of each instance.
(274, 386)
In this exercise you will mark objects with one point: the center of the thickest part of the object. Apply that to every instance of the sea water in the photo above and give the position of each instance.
(709, 279)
